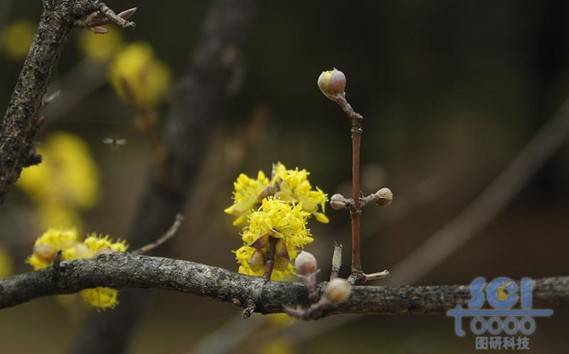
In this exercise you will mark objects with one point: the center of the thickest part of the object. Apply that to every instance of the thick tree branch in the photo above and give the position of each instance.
(135, 271)
(22, 118)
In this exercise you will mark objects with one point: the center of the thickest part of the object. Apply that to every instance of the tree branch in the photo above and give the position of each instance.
(22, 119)
(135, 271)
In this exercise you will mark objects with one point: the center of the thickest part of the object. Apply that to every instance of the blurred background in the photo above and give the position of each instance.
(451, 92)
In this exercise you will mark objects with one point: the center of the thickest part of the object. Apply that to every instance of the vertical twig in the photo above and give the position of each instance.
(356, 119)
(270, 261)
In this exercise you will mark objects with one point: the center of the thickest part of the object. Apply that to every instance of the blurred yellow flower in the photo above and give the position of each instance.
(5, 263)
(279, 345)
(16, 39)
(100, 47)
(66, 180)
(138, 77)
(101, 297)
(56, 215)
(55, 240)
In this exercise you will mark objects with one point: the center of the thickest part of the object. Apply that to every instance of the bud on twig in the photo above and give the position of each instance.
(305, 263)
(338, 202)
(338, 291)
(332, 83)
(306, 269)
(384, 196)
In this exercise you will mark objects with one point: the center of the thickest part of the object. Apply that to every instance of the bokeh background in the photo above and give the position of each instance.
(451, 91)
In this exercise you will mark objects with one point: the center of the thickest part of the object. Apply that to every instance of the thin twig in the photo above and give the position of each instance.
(355, 213)
(165, 237)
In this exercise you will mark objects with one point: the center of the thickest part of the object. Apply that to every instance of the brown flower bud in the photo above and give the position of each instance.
(384, 196)
(332, 83)
(338, 202)
(305, 263)
(257, 261)
(338, 290)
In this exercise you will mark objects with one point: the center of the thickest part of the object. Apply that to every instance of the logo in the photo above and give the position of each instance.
(499, 325)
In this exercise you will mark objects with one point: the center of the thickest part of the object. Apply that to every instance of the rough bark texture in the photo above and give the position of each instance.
(134, 271)
(196, 108)
(21, 120)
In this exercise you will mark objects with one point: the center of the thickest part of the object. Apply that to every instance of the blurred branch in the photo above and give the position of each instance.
(119, 270)
(491, 201)
(198, 104)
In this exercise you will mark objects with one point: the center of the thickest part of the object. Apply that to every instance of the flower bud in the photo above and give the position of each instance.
(257, 261)
(337, 202)
(338, 290)
(384, 196)
(305, 263)
(332, 83)
(45, 252)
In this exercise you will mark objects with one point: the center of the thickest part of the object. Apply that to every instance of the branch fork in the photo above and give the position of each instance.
(332, 84)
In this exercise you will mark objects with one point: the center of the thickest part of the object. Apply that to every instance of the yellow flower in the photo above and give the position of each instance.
(100, 47)
(138, 77)
(294, 187)
(280, 223)
(280, 319)
(281, 220)
(244, 256)
(16, 39)
(246, 196)
(54, 240)
(5, 263)
(48, 244)
(67, 175)
(101, 297)
(92, 246)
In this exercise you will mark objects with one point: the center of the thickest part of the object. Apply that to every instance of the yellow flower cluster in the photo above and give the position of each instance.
(294, 187)
(274, 214)
(66, 180)
(291, 186)
(5, 263)
(280, 223)
(16, 39)
(138, 77)
(66, 241)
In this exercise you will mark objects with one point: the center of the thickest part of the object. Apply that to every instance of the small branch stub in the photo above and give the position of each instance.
(336, 261)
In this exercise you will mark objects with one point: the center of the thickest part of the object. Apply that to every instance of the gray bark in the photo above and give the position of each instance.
(135, 271)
